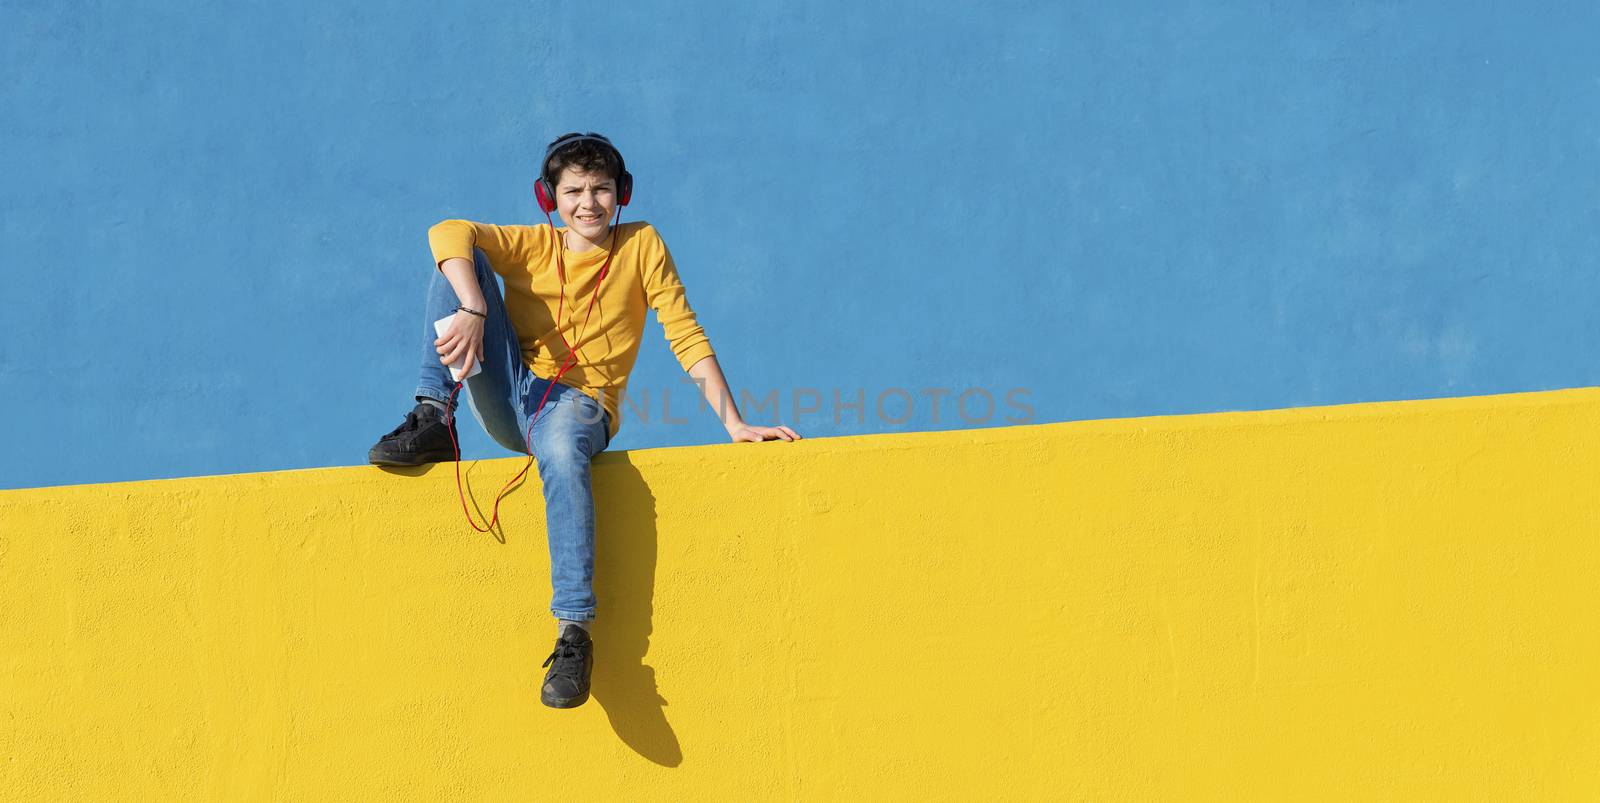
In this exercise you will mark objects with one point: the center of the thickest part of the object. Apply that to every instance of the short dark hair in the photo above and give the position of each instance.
(585, 155)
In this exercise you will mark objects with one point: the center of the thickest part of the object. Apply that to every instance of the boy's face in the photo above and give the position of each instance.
(586, 202)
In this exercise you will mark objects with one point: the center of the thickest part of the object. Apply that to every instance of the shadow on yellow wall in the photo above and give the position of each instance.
(625, 576)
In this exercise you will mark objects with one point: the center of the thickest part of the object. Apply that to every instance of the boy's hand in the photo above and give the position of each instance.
(465, 337)
(745, 432)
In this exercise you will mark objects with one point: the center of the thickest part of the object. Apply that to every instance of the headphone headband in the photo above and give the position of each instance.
(573, 139)
(545, 190)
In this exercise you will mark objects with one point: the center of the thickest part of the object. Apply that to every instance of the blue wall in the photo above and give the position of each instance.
(215, 218)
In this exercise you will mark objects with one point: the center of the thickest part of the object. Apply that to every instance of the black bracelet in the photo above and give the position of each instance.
(471, 312)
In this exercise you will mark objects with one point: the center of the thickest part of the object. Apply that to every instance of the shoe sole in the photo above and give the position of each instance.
(420, 459)
(564, 702)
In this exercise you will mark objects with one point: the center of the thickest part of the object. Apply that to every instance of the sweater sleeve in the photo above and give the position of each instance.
(505, 246)
(664, 292)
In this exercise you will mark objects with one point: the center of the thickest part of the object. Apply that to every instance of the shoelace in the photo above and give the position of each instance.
(409, 425)
(568, 658)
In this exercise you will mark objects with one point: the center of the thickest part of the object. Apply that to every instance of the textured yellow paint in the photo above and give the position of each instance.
(1383, 601)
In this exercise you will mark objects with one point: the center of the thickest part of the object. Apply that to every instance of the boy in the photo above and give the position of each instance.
(574, 308)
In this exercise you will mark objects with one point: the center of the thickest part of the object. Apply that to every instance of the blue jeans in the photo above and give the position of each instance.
(568, 433)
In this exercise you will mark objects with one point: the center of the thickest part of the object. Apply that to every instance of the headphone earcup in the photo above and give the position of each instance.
(625, 191)
(545, 195)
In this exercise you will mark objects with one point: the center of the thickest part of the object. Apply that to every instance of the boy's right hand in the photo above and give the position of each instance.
(463, 338)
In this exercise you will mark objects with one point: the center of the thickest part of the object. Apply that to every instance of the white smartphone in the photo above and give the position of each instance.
(443, 325)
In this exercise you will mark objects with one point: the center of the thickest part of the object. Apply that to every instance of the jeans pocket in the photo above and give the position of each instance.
(590, 412)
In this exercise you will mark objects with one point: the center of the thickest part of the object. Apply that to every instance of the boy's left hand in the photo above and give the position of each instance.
(745, 432)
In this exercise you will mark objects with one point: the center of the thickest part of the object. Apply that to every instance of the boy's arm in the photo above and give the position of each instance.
(452, 242)
(465, 336)
(707, 374)
(507, 247)
(664, 292)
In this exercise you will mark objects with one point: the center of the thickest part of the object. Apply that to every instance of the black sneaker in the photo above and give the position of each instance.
(423, 437)
(566, 685)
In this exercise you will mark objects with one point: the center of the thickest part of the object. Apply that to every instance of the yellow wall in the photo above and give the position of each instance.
(1382, 601)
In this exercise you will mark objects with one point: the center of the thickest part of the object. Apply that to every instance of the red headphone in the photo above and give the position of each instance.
(545, 190)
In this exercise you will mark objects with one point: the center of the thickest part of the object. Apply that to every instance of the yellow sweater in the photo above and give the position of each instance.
(641, 276)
